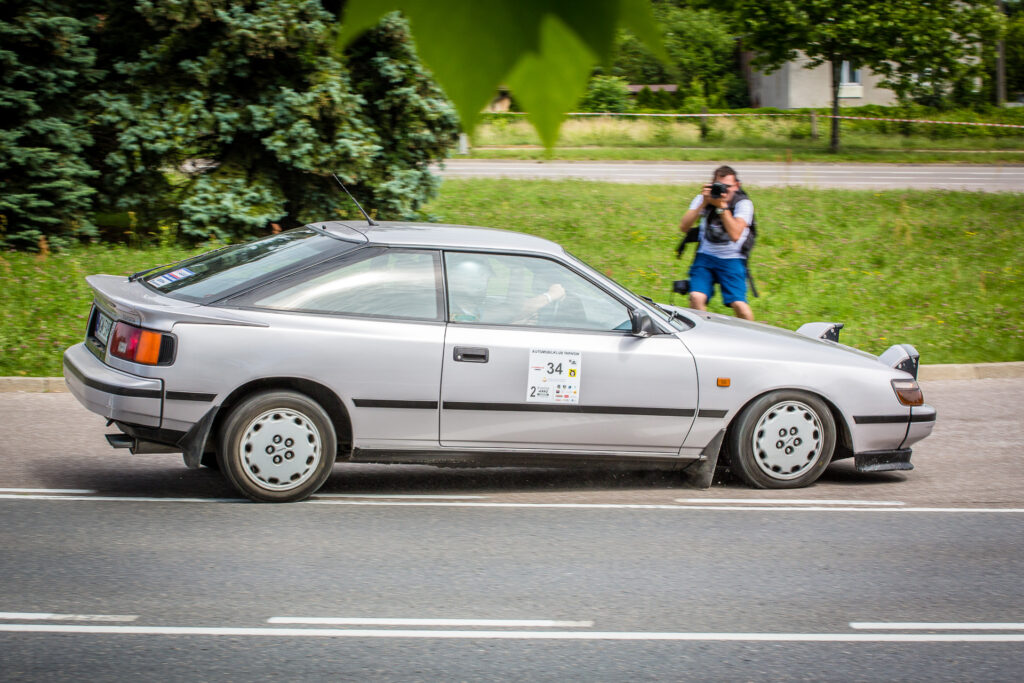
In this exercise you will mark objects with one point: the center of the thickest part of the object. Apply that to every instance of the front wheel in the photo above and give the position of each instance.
(783, 440)
(277, 446)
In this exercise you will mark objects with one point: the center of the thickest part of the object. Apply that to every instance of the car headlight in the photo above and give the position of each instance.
(908, 392)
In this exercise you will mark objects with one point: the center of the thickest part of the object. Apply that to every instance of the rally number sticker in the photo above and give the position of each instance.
(554, 376)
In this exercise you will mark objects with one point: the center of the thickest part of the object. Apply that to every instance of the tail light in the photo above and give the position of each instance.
(141, 346)
(908, 392)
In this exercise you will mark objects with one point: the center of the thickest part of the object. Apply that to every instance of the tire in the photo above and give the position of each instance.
(210, 460)
(277, 447)
(783, 440)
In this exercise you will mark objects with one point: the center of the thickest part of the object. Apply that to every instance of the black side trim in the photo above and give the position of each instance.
(457, 457)
(712, 413)
(568, 408)
(111, 388)
(189, 396)
(881, 419)
(923, 418)
(375, 403)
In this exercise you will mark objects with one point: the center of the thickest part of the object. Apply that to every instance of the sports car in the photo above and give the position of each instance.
(461, 346)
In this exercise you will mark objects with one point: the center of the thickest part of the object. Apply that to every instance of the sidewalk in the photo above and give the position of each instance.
(927, 373)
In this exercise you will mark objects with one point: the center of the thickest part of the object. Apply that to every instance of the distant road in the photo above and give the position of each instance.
(984, 178)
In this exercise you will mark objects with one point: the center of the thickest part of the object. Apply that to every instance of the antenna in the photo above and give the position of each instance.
(365, 215)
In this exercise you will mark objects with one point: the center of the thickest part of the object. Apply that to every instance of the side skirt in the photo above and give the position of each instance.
(485, 458)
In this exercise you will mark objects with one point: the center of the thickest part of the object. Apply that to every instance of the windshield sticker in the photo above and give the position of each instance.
(554, 376)
(168, 278)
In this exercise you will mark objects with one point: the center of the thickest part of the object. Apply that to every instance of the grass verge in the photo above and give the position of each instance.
(940, 270)
(743, 139)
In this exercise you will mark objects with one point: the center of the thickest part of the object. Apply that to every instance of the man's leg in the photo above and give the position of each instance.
(743, 310)
(732, 275)
(701, 283)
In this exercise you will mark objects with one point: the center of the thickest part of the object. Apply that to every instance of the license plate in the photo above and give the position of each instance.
(103, 325)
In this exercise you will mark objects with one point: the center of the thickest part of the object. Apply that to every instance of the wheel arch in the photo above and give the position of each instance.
(844, 439)
(321, 394)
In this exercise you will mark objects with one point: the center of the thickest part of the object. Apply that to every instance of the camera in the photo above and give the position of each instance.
(718, 190)
(681, 286)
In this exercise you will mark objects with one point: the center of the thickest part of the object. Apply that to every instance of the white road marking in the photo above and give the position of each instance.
(518, 635)
(937, 626)
(787, 501)
(125, 499)
(398, 496)
(560, 506)
(362, 621)
(69, 491)
(49, 616)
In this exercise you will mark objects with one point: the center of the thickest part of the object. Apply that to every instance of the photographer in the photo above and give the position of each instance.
(726, 220)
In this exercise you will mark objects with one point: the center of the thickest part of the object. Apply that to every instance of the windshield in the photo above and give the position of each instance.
(216, 274)
(670, 317)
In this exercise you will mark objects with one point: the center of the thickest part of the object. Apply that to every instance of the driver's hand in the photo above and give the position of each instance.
(556, 292)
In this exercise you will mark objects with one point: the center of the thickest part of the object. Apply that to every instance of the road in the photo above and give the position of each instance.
(985, 178)
(121, 566)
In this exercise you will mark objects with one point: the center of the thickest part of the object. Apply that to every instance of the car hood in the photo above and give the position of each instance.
(714, 334)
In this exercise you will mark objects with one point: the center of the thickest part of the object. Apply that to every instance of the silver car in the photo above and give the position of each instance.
(451, 345)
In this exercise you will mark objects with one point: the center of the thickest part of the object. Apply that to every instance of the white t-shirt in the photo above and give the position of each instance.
(745, 211)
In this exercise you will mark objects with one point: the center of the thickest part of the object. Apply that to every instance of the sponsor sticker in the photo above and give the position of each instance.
(168, 278)
(553, 376)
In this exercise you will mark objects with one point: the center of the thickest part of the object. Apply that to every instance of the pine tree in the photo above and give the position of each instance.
(45, 63)
(254, 91)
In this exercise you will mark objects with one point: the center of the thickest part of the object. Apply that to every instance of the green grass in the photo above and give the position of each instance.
(738, 154)
(741, 139)
(941, 270)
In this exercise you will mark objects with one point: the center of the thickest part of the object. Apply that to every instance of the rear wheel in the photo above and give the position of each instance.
(277, 446)
(783, 440)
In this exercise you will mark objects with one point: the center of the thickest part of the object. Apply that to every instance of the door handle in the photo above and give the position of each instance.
(471, 354)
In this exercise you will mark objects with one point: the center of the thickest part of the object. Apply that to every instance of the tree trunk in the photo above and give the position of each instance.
(837, 65)
(1001, 64)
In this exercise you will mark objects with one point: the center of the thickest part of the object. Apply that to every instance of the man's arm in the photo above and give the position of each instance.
(733, 225)
(691, 215)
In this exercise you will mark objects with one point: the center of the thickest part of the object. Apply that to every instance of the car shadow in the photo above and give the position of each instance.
(166, 479)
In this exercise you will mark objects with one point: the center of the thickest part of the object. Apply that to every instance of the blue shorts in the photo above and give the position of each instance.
(729, 273)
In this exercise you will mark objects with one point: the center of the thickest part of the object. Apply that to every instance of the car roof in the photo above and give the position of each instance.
(441, 235)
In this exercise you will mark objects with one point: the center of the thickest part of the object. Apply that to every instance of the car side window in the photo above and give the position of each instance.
(392, 283)
(505, 289)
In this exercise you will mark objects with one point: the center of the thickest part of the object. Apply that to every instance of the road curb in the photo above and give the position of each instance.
(1011, 370)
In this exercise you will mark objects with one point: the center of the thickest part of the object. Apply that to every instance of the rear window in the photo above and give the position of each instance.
(217, 274)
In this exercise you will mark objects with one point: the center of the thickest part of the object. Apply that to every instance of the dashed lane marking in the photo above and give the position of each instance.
(50, 616)
(788, 501)
(936, 626)
(364, 621)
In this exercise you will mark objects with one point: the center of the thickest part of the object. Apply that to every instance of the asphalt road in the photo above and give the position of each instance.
(117, 566)
(985, 178)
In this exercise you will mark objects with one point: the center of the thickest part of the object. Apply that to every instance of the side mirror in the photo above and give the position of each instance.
(642, 324)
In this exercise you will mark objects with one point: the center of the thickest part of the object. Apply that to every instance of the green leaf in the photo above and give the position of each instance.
(474, 47)
(550, 82)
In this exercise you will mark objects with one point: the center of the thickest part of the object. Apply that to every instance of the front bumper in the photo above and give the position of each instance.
(112, 393)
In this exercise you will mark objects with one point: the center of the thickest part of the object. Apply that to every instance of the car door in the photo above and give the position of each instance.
(537, 356)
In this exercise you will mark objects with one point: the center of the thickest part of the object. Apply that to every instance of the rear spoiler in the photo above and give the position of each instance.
(902, 357)
(826, 331)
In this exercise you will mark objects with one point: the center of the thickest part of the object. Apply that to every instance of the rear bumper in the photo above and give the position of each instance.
(112, 393)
